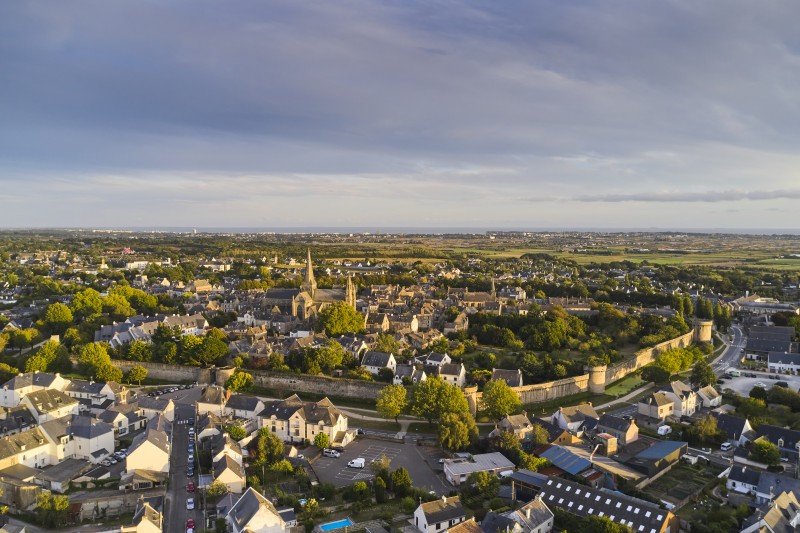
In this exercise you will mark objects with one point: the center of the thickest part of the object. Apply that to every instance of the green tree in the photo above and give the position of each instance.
(386, 343)
(322, 440)
(236, 431)
(108, 373)
(269, 449)
(137, 374)
(213, 348)
(7, 372)
(401, 482)
(239, 381)
(759, 393)
(457, 430)
(703, 374)
(117, 306)
(538, 436)
(763, 451)
(499, 399)
(330, 355)
(216, 489)
(93, 356)
(705, 431)
(484, 483)
(52, 508)
(360, 490)
(87, 303)
(140, 351)
(338, 319)
(602, 524)
(391, 401)
(433, 397)
(57, 318)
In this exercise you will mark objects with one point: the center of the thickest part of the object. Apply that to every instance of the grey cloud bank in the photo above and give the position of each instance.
(399, 114)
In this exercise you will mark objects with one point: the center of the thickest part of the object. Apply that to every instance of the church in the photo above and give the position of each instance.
(308, 300)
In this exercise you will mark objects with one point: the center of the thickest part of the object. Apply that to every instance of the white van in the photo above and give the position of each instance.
(664, 430)
(725, 446)
(327, 452)
(357, 463)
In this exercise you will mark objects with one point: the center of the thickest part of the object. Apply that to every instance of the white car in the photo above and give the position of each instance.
(190, 504)
(357, 463)
(760, 384)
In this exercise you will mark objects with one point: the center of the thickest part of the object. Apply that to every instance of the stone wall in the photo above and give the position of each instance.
(540, 392)
(646, 356)
(290, 383)
(171, 373)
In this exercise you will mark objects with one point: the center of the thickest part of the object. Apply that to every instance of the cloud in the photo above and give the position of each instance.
(381, 106)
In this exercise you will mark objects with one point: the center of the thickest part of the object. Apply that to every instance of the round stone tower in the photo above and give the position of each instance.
(597, 379)
(702, 330)
(472, 398)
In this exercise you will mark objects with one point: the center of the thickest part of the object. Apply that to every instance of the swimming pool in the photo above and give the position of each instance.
(336, 525)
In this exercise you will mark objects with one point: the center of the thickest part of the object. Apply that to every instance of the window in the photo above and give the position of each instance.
(619, 504)
(591, 510)
(647, 514)
(636, 511)
(569, 489)
(597, 499)
(608, 501)
(577, 492)
(558, 486)
(780, 443)
(630, 507)
(560, 501)
(580, 507)
(570, 504)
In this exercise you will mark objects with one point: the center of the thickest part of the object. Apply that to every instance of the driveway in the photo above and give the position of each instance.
(420, 461)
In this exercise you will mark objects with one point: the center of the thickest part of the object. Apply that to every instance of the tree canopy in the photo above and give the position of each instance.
(338, 319)
(391, 401)
(499, 399)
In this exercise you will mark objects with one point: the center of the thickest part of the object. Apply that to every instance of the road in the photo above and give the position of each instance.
(175, 512)
(732, 354)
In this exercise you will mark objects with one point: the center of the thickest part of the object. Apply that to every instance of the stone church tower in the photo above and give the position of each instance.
(309, 284)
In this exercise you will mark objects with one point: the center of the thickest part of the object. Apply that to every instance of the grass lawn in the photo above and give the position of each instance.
(389, 425)
(625, 385)
(547, 408)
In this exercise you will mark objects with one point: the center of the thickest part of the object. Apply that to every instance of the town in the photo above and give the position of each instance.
(514, 382)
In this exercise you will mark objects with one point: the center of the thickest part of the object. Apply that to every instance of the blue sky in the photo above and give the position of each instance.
(409, 114)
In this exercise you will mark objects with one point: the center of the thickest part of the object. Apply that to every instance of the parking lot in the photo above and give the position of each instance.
(420, 461)
(743, 385)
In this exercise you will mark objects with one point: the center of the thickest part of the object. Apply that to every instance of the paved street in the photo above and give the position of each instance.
(176, 514)
(732, 354)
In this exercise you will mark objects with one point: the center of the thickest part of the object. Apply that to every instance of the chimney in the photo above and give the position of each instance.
(528, 513)
(444, 498)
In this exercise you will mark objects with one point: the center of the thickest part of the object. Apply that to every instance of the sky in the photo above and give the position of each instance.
(512, 114)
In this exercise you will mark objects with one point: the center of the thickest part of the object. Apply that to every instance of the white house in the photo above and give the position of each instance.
(453, 374)
(255, 514)
(294, 420)
(377, 361)
(439, 515)
(456, 471)
(17, 387)
(683, 398)
(49, 404)
(149, 451)
(575, 418)
(79, 437)
(709, 397)
(784, 363)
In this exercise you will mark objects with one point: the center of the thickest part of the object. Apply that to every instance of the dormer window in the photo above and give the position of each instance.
(780, 443)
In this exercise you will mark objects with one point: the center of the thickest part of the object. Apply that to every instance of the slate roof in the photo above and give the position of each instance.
(16, 419)
(733, 426)
(496, 523)
(443, 509)
(47, 400)
(531, 515)
(39, 379)
(513, 378)
(226, 462)
(376, 359)
(785, 333)
(12, 444)
(243, 402)
(153, 404)
(553, 430)
(313, 412)
(403, 370)
(451, 369)
(661, 449)
(248, 505)
(781, 358)
(790, 436)
(776, 517)
(580, 500)
(775, 483)
(615, 422)
(767, 345)
(77, 425)
(84, 387)
(579, 413)
(213, 394)
(158, 438)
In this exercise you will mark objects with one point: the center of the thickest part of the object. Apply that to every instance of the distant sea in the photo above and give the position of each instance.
(441, 230)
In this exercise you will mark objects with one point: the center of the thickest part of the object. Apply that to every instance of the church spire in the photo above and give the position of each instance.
(309, 284)
(350, 293)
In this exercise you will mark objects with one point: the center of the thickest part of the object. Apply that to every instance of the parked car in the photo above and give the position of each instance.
(760, 384)
(783, 384)
(327, 452)
(190, 487)
(725, 446)
(357, 463)
(774, 376)
(190, 504)
(190, 472)
(189, 523)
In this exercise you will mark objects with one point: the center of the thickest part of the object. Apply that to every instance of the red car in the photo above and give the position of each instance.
(190, 487)
(190, 524)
